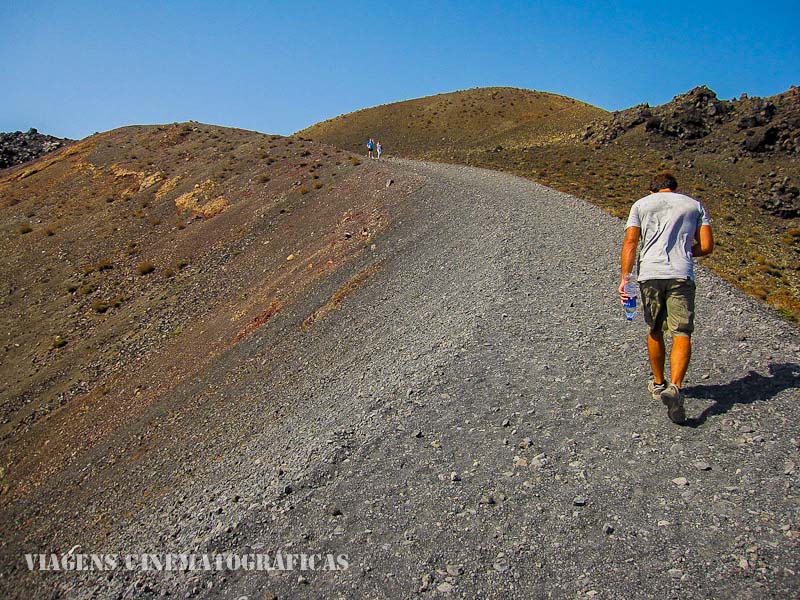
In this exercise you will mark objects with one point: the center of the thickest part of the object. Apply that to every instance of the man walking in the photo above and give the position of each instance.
(673, 229)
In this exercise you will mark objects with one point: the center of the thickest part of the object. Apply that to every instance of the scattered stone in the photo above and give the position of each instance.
(702, 466)
(506, 423)
(445, 587)
(417, 434)
(681, 481)
(539, 461)
(579, 501)
(675, 573)
(608, 528)
(525, 443)
(454, 570)
(455, 476)
(427, 581)
(501, 566)
(487, 500)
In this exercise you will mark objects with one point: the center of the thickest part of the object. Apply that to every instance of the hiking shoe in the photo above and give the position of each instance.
(673, 398)
(656, 389)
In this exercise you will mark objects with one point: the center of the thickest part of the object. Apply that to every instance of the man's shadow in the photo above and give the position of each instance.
(753, 387)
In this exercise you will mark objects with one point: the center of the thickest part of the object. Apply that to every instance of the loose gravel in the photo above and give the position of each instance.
(472, 421)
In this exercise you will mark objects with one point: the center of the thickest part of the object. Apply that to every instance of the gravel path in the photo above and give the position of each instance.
(472, 422)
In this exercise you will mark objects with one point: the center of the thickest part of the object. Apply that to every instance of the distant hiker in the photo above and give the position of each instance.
(380, 149)
(673, 229)
(370, 147)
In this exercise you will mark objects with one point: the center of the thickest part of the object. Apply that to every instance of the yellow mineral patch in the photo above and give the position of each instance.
(191, 200)
(198, 201)
(213, 208)
(123, 172)
(89, 169)
(169, 185)
(151, 180)
(28, 173)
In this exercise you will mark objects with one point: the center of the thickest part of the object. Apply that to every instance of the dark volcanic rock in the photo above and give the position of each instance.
(688, 116)
(781, 198)
(757, 125)
(760, 130)
(17, 148)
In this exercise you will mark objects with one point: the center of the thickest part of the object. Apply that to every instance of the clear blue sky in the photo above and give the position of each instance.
(73, 68)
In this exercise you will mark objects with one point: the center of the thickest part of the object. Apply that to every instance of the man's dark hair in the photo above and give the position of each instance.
(663, 181)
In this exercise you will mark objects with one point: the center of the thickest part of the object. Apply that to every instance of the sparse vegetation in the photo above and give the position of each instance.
(99, 306)
(609, 159)
(145, 268)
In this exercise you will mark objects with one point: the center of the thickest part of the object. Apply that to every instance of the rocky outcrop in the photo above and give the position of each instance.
(759, 130)
(688, 116)
(17, 147)
(751, 125)
(780, 195)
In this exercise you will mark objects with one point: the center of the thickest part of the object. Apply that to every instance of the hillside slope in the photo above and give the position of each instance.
(740, 158)
(450, 126)
(459, 409)
(130, 259)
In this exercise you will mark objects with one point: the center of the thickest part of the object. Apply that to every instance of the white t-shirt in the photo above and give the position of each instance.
(669, 223)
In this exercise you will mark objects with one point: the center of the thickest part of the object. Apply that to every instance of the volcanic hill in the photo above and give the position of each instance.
(740, 158)
(221, 343)
(133, 256)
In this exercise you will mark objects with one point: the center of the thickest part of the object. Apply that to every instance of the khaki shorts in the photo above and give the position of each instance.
(668, 305)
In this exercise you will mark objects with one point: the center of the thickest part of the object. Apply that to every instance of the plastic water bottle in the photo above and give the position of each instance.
(632, 291)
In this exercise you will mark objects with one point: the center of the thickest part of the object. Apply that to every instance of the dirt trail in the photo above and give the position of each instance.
(470, 419)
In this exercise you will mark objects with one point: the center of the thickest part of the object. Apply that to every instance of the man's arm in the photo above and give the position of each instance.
(628, 258)
(704, 241)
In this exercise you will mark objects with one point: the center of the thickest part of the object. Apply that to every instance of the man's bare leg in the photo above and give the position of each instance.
(657, 353)
(679, 358)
